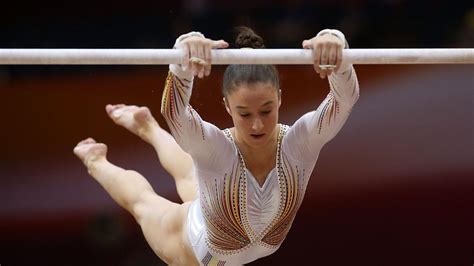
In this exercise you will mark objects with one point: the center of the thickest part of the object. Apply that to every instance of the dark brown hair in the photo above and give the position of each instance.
(236, 75)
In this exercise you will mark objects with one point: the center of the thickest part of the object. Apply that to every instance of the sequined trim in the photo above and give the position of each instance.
(176, 98)
(291, 195)
(329, 112)
(222, 207)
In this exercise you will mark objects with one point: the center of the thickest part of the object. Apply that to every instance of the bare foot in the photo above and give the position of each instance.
(90, 151)
(136, 119)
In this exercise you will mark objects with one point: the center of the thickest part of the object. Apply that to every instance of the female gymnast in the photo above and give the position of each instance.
(244, 185)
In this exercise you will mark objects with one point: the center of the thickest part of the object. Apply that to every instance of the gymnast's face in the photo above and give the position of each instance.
(254, 110)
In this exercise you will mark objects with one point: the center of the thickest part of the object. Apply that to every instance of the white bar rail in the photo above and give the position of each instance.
(229, 56)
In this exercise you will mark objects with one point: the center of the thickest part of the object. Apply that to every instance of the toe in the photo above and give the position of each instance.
(112, 108)
(86, 141)
(109, 108)
(89, 141)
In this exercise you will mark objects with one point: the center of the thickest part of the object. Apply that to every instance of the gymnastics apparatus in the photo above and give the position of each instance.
(230, 56)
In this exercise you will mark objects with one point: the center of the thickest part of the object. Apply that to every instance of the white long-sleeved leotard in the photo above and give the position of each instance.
(235, 220)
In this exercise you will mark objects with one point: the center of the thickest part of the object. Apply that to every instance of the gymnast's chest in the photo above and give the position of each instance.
(262, 201)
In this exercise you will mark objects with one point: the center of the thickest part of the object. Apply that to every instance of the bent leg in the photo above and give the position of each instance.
(178, 163)
(161, 220)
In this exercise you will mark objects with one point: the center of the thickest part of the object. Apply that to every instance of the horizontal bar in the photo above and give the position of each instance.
(229, 56)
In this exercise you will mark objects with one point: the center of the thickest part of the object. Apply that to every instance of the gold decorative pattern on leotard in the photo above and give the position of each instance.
(221, 204)
(174, 101)
(225, 206)
(330, 108)
(291, 196)
(328, 111)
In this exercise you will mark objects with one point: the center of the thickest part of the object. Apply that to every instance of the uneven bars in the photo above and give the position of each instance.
(229, 56)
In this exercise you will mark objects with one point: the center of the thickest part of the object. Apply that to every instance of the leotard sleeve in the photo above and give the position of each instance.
(313, 130)
(206, 143)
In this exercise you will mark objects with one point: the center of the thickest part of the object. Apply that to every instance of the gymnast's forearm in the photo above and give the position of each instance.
(177, 91)
(344, 87)
(175, 101)
(186, 126)
(324, 123)
(126, 187)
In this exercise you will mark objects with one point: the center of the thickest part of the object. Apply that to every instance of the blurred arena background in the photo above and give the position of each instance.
(395, 187)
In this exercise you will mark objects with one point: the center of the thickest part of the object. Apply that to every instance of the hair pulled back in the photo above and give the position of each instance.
(237, 75)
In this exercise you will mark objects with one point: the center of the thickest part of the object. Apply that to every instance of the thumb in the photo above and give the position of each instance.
(219, 44)
(307, 44)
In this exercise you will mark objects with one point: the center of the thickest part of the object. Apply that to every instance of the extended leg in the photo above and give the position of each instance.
(162, 221)
(178, 163)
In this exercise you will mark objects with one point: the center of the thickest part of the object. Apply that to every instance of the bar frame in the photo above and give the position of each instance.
(230, 56)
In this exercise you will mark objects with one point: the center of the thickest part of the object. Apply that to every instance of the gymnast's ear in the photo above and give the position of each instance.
(227, 108)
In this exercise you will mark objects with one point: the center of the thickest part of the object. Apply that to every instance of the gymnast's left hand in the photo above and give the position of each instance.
(327, 53)
(197, 52)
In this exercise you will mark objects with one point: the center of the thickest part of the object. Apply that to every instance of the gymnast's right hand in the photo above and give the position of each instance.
(197, 52)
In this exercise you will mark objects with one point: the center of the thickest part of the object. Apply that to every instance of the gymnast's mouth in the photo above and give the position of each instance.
(257, 136)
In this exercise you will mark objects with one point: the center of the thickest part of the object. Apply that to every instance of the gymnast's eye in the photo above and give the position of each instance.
(244, 114)
(266, 112)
